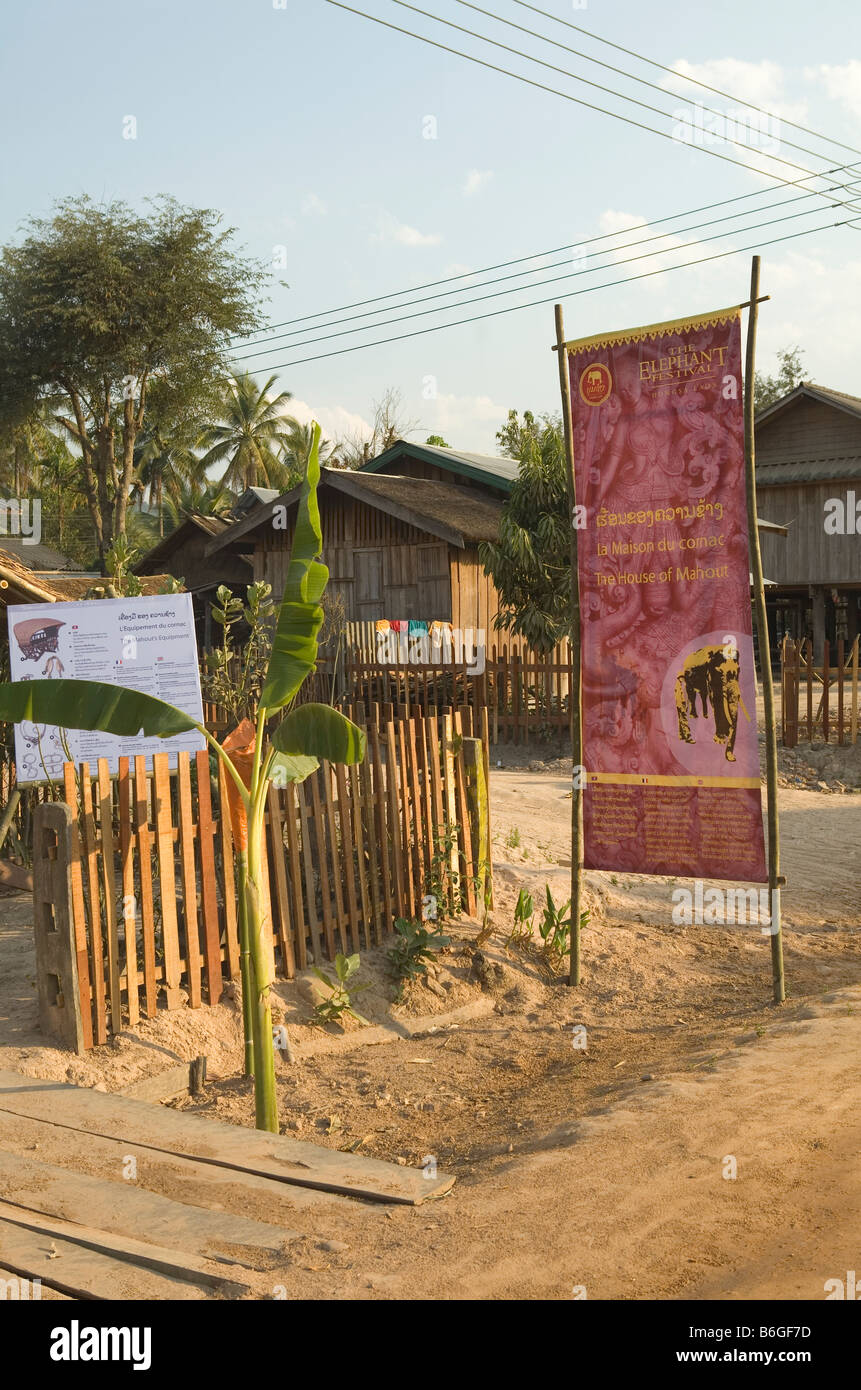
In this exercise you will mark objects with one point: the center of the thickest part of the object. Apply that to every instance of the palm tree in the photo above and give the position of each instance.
(164, 463)
(212, 499)
(297, 448)
(251, 437)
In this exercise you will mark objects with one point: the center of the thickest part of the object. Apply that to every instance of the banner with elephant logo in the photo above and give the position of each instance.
(670, 748)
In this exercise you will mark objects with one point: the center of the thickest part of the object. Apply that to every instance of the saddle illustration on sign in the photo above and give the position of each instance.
(35, 636)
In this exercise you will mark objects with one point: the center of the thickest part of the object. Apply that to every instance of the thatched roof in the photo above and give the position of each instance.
(20, 584)
(447, 510)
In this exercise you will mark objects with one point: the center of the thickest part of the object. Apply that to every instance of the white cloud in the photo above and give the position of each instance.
(476, 179)
(753, 84)
(393, 232)
(312, 205)
(334, 420)
(842, 84)
(465, 422)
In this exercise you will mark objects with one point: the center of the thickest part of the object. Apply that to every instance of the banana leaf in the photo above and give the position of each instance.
(294, 647)
(286, 768)
(319, 731)
(91, 705)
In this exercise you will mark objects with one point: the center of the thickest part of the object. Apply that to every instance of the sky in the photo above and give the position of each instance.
(357, 162)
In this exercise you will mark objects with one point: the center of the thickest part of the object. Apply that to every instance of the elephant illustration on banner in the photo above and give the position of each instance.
(712, 674)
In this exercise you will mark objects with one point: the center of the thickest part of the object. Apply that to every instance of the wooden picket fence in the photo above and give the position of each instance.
(818, 701)
(524, 693)
(153, 883)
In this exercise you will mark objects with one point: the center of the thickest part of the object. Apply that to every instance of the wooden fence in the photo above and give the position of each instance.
(524, 694)
(152, 879)
(818, 701)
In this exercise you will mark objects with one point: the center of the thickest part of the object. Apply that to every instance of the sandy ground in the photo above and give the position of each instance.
(604, 1167)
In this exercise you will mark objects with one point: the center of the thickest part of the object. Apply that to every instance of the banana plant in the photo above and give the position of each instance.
(304, 735)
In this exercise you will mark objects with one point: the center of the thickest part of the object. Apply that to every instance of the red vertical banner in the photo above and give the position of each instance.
(670, 745)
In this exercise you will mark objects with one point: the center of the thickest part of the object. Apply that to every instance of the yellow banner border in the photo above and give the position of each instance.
(636, 335)
(634, 779)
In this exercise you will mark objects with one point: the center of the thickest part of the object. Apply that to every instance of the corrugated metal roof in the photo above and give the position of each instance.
(809, 470)
(498, 472)
(35, 557)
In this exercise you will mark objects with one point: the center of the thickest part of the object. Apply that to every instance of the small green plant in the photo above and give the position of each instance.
(512, 839)
(442, 884)
(232, 678)
(339, 1002)
(415, 947)
(524, 913)
(554, 928)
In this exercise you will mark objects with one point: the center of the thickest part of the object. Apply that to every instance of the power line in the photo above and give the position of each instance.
(514, 308)
(243, 340)
(515, 275)
(644, 82)
(565, 72)
(578, 101)
(517, 289)
(680, 76)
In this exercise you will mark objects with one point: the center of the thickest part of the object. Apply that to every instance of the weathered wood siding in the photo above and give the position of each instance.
(382, 567)
(807, 430)
(808, 555)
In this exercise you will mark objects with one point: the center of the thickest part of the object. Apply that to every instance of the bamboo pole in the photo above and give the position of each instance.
(574, 695)
(774, 878)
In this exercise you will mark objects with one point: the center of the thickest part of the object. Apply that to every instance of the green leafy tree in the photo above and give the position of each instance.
(304, 735)
(530, 563)
(438, 441)
(790, 371)
(251, 436)
(97, 303)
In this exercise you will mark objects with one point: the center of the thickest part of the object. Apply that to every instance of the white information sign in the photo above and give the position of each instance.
(145, 644)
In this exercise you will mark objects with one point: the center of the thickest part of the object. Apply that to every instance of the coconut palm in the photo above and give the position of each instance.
(297, 449)
(251, 436)
(209, 499)
(165, 463)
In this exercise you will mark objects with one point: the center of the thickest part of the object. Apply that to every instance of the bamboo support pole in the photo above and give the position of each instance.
(574, 698)
(774, 878)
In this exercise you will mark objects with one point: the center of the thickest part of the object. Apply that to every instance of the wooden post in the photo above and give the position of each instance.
(853, 713)
(774, 878)
(574, 699)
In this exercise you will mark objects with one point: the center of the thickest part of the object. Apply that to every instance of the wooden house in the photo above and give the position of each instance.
(808, 479)
(183, 554)
(398, 546)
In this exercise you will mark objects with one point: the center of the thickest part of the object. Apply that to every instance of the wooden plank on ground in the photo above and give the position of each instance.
(142, 1254)
(125, 1208)
(210, 1141)
(81, 1272)
(167, 1174)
